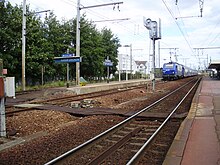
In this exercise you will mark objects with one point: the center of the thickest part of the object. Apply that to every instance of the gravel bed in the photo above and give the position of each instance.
(30, 122)
(42, 149)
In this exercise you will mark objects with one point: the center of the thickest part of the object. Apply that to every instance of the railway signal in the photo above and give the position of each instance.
(154, 28)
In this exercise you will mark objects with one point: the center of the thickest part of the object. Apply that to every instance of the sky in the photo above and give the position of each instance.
(182, 27)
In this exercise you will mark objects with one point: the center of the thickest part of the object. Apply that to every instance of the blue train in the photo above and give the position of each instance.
(174, 70)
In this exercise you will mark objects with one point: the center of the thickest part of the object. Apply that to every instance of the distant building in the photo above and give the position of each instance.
(125, 65)
(141, 67)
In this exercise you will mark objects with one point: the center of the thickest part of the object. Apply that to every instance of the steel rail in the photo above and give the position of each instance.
(85, 144)
(138, 154)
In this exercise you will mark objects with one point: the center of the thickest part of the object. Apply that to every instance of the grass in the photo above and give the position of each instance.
(47, 85)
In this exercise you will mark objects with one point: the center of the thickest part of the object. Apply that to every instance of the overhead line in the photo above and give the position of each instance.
(114, 3)
(124, 27)
(104, 17)
(178, 25)
(110, 20)
(182, 21)
(118, 24)
(216, 47)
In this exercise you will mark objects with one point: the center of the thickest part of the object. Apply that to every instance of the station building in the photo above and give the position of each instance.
(215, 67)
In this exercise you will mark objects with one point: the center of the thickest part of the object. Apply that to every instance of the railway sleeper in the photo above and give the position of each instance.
(140, 138)
(145, 125)
(114, 147)
(161, 145)
(129, 129)
(148, 134)
(156, 152)
(117, 136)
(147, 130)
(123, 132)
(136, 144)
(134, 151)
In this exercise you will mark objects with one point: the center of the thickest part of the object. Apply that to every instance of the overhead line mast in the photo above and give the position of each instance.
(24, 15)
(78, 32)
(175, 55)
(201, 4)
(203, 48)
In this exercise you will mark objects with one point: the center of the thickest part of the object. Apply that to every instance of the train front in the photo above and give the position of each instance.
(169, 71)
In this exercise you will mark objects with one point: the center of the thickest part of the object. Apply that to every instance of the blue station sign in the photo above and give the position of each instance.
(68, 55)
(108, 63)
(67, 59)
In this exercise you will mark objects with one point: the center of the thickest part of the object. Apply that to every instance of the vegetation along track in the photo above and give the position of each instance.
(134, 140)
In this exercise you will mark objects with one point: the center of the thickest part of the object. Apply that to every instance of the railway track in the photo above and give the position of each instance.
(66, 100)
(131, 140)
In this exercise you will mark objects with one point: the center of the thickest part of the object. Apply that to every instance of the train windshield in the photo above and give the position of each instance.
(168, 66)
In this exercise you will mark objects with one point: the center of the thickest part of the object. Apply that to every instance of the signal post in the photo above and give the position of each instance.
(154, 28)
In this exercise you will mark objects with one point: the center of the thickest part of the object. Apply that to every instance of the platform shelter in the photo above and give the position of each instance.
(215, 65)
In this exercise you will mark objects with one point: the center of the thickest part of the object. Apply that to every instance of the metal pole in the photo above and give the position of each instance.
(78, 43)
(2, 111)
(130, 59)
(107, 71)
(67, 71)
(126, 69)
(23, 43)
(119, 68)
(207, 61)
(153, 62)
(42, 75)
(78, 33)
(119, 75)
(159, 53)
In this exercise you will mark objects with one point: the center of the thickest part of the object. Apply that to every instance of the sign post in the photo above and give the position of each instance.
(71, 59)
(107, 63)
(2, 102)
(67, 58)
(2, 109)
(67, 71)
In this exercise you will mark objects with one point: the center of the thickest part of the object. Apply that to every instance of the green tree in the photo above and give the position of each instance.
(110, 44)
(95, 47)
(48, 39)
(10, 37)
(91, 50)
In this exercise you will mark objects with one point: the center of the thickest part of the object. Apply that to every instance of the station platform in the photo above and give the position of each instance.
(97, 87)
(198, 139)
